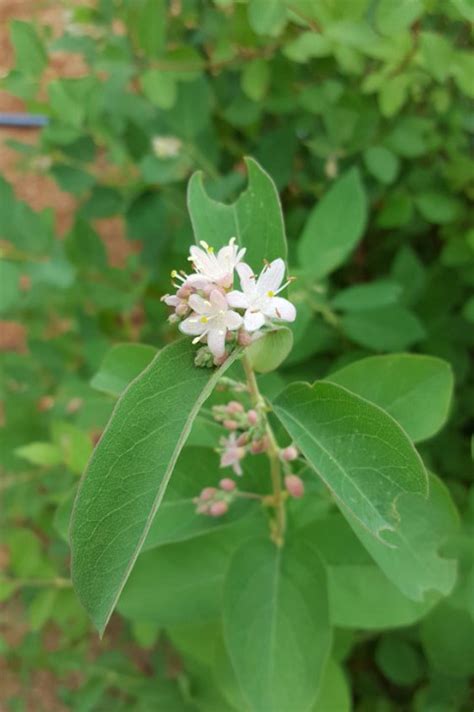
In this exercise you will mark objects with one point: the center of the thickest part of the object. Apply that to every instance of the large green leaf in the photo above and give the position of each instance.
(276, 624)
(358, 450)
(129, 471)
(182, 583)
(255, 219)
(334, 227)
(121, 365)
(413, 561)
(416, 390)
(360, 594)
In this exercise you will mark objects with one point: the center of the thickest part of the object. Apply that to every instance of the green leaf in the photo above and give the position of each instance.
(43, 454)
(357, 449)
(255, 79)
(335, 694)
(267, 17)
(413, 561)
(399, 661)
(121, 365)
(367, 296)
(30, 55)
(255, 219)
(438, 208)
(182, 583)
(308, 45)
(391, 328)
(360, 594)
(448, 640)
(129, 471)
(416, 390)
(393, 94)
(159, 87)
(269, 352)
(146, 22)
(382, 164)
(10, 289)
(394, 16)
(334, 226)
(276, 624)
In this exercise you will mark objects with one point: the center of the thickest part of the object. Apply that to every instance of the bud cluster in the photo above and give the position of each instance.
(215, 501)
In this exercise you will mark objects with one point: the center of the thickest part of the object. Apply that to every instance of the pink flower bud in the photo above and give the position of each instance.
(227, 484)
(218, 509)
(207, 493)
(219, 360)
(230, 424)
(294, 486)
(234, 407)
(243, 439)
(289, 453)
(182, 309)
(244, 338)
(252, 417)
(184, 292)
(259, 446)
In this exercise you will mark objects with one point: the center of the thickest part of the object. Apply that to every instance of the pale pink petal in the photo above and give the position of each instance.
(247, 278)
(279, 308)
(271, 277)
(200, 305)
(237, 299)
(218, 300)
(201, 259)
(216, 342)
(237, 467)
(198, 281)
(233, 320)
(192, 326)
(171, 300)
(253, 320)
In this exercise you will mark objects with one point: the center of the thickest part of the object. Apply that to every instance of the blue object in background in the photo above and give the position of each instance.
(23, 120)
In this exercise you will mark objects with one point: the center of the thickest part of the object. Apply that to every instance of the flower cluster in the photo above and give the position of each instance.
(209, 309)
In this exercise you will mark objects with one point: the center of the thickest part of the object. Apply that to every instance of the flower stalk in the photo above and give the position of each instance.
(278, 499)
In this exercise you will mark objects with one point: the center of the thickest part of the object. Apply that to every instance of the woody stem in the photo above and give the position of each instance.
(272, 451)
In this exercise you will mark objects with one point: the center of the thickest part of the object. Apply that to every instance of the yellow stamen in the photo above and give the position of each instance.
(174, 274)
(270, 293)
(204, 320)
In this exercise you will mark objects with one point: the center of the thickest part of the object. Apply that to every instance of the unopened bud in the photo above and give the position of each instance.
(218, 509)
(234, 407)
(184, 292)
(207, 493)
(294, 486)
(289, 453)
(227, 484)
(244, 338)
(182, 310)
(243, 439)
(219, 360)
(230, 424)
(252, 417)
(259, 446)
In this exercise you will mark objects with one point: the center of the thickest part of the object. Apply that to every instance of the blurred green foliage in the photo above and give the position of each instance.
(360, 110)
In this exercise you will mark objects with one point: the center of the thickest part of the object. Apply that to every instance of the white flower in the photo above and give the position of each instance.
(259, 296)
(166, 146)
(217, 269)
(212, 319)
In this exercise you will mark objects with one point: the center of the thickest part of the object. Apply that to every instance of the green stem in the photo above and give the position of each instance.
(273, 453)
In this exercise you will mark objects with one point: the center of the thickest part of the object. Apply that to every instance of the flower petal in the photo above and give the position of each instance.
(237, 299)
(233, 320)
(247, 278)
(192, 326)
(279, 308)
(253, 320)
(216, 342)
(200, 305)
(218, 300)
(271, 277)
